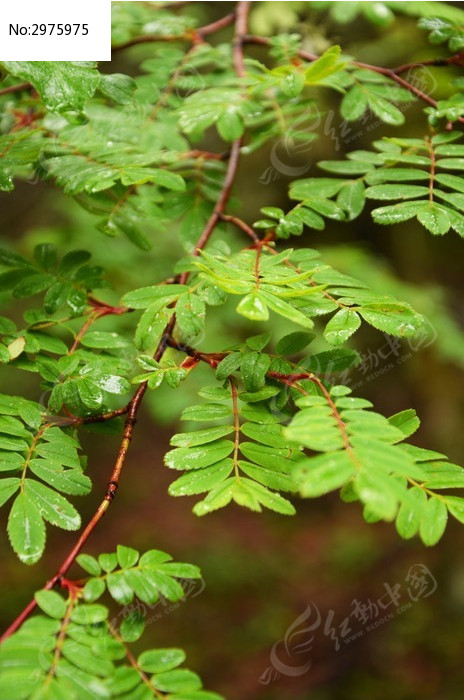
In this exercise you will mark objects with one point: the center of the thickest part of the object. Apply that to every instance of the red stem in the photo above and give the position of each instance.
(392, 73)
(15, 88)
(241, 225)
(194, 36)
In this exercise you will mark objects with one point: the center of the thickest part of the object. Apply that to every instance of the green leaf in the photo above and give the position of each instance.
(397, 175)
(341, 326)
(127, 556)
(433, 522)
(396, 192)
(190, 316)
(315, 186)
(228, 365)
(151, 326)
(351, 198)
(435, 219)
(293, 84)
(346, 167)
(383, 109)
(51, 603)
(254, 367)
(379, 495)
(119, 588)
(456, 507)
(132, 626)
(217, 498)
(263, 394)
(396, 213)
(334, 360)
(8, 487)
(198, 457)
(201, 480)
(159, 660)
(62, 85)
(253, 306)
(93, 589)
(251, 494)
(293, 343)
(378, 13)
(452, 181)
(32, 284)
(52, 506)
(410, 513)
(108, 561)
(89, 564)
(230, 124)
(177, 681)
(104, 340)
(206, 412)
(164, 178)
(354, 103)
(11, 259)
(270, 434)
(26, 529)
(118, 87)
(258, 342)
(200, 437)
(324, 473)
(89, 393)
(286, 310)
(145, 296)
(407, 421)
(324, 66)
(89, 614)
(392, 317)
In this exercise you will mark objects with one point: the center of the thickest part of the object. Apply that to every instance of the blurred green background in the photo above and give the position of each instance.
(263, 571)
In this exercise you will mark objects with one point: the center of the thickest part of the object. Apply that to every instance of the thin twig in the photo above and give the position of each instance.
(94, 316)
(133, 662)
(194, 36)
(20, 87)
(60, 640)
(207, 155)
(231, 173)
(233, 390)
(432, 168)
(239, 223)
(392, 73)
(456, 60)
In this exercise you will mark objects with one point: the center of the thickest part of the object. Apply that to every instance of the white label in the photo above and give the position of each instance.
(55, 31)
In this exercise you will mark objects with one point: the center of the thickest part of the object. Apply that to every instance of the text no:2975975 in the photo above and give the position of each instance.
(48, 29)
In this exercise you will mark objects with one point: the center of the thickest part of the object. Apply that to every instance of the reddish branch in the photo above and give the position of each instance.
(232, 167)
(392, 73)
(207, 155)
(456, 60)
(194, 35)
(94, 316)
(134, 404)
(133, 662)
(100, 309)
(241, 225)
(211, 358)
(20, 87)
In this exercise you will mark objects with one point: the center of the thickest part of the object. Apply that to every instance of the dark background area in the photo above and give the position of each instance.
(262, 572)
